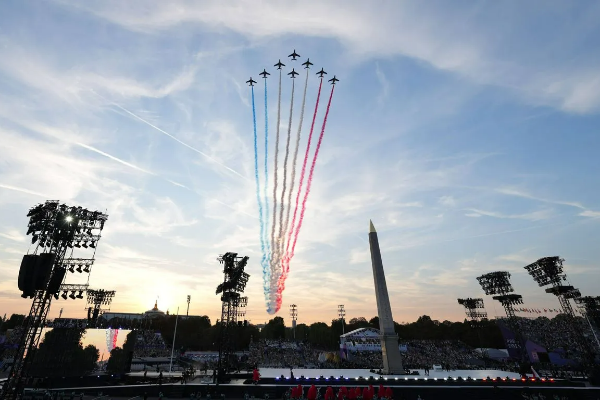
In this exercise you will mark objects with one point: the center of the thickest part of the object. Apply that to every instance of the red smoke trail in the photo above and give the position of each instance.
(312, 127)
(281, 283)
(285, 260)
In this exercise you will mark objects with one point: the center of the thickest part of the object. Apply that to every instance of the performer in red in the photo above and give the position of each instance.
(388, 393)
(329, 393)
(312, 393)
(255, 376)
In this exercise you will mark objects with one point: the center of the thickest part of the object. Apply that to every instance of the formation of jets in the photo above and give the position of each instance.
(293, 74)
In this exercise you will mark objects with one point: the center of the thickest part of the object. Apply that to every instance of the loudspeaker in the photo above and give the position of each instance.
(43, 267)
(56, 280)
(27, 275)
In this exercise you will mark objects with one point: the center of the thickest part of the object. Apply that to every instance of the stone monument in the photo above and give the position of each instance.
(392, 360)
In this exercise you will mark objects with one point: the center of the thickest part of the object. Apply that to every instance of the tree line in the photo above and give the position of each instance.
(199, 334)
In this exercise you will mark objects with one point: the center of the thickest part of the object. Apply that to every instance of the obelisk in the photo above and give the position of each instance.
(392, 361)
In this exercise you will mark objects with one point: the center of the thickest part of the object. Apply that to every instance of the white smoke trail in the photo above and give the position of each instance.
(289, 199)
(281, 235)
(274, 245)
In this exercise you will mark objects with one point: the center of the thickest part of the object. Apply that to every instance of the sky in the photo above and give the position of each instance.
(467, 131)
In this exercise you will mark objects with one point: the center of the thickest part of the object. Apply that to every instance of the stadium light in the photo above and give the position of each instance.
(342, 314)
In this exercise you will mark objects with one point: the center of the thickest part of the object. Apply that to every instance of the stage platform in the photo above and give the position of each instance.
(365, 373)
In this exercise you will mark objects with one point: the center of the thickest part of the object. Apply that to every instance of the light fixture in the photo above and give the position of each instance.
(64, 295)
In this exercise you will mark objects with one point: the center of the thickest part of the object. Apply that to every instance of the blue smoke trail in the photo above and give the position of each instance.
(266, 258)
(260, 207)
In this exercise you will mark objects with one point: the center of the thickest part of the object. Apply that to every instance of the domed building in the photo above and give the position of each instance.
(154, 312)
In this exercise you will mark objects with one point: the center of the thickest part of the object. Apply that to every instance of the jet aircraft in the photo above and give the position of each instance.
(333, 80)
(279, 65)
(293, 73)
(294, 55)
(307, 63)
(264, 73)
(251, 82)
(321, 73)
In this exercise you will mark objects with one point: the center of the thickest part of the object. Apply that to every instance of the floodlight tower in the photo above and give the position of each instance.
(498, 284)
(294, 315)
(233, 305)
(341, 314)
(549, 271)
(474, 309)
(97, 299)
(56, 228)
(475, 312)
(187, 313)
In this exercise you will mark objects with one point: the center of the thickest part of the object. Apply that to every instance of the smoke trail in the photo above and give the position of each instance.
(302, 172)
(270, 308)
(284, 264)
(310, 175)
(264, 262)
(258, 199)
(285, 173)
(276, 269)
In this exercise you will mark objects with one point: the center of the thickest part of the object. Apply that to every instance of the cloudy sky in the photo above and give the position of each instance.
(467, 131)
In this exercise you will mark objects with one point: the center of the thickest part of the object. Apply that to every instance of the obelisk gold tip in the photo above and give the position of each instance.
(371, 227)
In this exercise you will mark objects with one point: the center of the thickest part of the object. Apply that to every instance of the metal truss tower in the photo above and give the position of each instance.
(549, 271)
(233, 306)
(498, 285)
(56, 228)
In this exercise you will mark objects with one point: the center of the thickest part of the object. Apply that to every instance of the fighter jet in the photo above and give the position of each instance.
(307, 63)
(251, 82)
(321, 73)
(264, 73)
(293, 73)
(279, 65)
(294, 55)
(333, 80)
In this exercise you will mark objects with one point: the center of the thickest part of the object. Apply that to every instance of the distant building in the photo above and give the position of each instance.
(154, 312)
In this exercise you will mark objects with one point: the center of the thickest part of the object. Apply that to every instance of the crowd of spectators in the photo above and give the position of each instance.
(418, 354)
(449, 354)
(150, 344)
(8, 347)
(282, 354)
(72, 323)
(554, 334)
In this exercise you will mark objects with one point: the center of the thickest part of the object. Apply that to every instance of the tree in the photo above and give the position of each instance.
(275, 329)
(12, 322)
(120, 358)
(320, 335)
(374, 322)
(357, 323)
(62, 354)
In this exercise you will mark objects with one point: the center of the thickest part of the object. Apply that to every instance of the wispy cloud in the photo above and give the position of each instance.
(532, 216)
(455, 39)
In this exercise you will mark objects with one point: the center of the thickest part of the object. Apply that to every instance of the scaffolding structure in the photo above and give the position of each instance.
(55, 230)
(498, 285)
(549, 271)
(233, 308)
